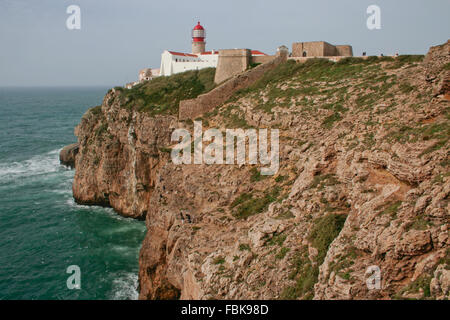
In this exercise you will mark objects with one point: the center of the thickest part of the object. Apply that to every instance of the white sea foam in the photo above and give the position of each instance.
(71, 203)
(37, 165)
(125, 287)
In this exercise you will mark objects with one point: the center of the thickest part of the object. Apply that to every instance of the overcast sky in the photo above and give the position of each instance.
(119, 37)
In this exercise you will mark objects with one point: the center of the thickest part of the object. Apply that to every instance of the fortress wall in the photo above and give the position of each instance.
(320, 49)
(262, 59)
(297, 49)
(329, 50)
(304, 59)
(193, 108)
(344, 50)
(232, 62)
(315, 48)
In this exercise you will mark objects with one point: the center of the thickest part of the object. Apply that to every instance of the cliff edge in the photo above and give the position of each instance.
(363, 186)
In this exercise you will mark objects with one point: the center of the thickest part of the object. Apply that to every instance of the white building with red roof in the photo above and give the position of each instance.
(176, 62)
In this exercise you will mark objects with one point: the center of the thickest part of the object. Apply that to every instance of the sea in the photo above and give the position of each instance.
(43, 232)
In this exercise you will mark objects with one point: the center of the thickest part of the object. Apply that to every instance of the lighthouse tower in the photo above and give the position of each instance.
(198, 39)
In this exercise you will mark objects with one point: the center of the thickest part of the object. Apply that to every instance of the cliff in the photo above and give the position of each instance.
(364, 181)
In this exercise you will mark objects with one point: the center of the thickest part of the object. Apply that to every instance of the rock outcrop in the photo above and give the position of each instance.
(363, 185)
(68, 154)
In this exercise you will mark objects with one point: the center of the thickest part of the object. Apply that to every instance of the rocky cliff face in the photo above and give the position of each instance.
(364, 181)
(118, 157)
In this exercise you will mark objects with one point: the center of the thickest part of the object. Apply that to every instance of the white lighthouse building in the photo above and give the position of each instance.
(173, 62)
(176, 62)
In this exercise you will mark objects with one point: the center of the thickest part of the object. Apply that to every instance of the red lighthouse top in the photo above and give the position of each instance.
(199, 33)
(199, 27)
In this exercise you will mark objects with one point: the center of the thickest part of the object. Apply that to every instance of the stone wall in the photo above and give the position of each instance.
(262, 59)
(304, 59)
(191, 109)
(329, 50)
(232, 62)
(311, 48)
(344, 50)
(320, 49)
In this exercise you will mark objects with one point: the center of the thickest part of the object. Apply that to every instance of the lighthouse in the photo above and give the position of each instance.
(198, 39)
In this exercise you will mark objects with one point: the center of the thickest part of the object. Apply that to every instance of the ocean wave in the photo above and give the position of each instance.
(37, 165)
(125, 287)
(71, 203)
(110, 212)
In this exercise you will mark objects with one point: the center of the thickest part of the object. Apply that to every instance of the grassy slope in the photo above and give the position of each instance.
(163, 95)
(324, 93)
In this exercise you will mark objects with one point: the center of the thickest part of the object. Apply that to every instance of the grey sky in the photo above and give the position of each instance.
(119, 37)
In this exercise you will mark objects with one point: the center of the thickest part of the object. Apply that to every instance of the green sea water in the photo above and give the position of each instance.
(42, 230)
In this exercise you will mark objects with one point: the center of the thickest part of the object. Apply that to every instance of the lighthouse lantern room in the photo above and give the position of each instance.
(198, 39)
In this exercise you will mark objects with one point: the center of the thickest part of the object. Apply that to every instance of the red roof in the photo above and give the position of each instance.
(257, 52)
(199, 27)
(209, 52)
(183, 54)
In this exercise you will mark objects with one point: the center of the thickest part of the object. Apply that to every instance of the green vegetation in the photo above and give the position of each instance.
(234, 117)
(320, 84)
(256, 175)
(440, 177)
(285, 215)
(103, 128)
(304, 271)
(247, 204)
(330, 120)
(403, 60)
(253, 65)
(277, 239)
(244, 247)
(283, 251)
(280, 178)
(421, 284)
(419, 223)
(406, 87)
(219, 260)
(163, 95)
(321, 181)
(96, 110)
(324, 231)
(305, 275)
(165, 150)
(392, 209)
(436, 131)
(345, 261)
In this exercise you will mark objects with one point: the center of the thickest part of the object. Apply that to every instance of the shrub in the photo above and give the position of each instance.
(324, 231)
(244, 247)
(305, 275)
(219, 260)
(283, 251)
(247, 205)
(256, 175)
(330, 120)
